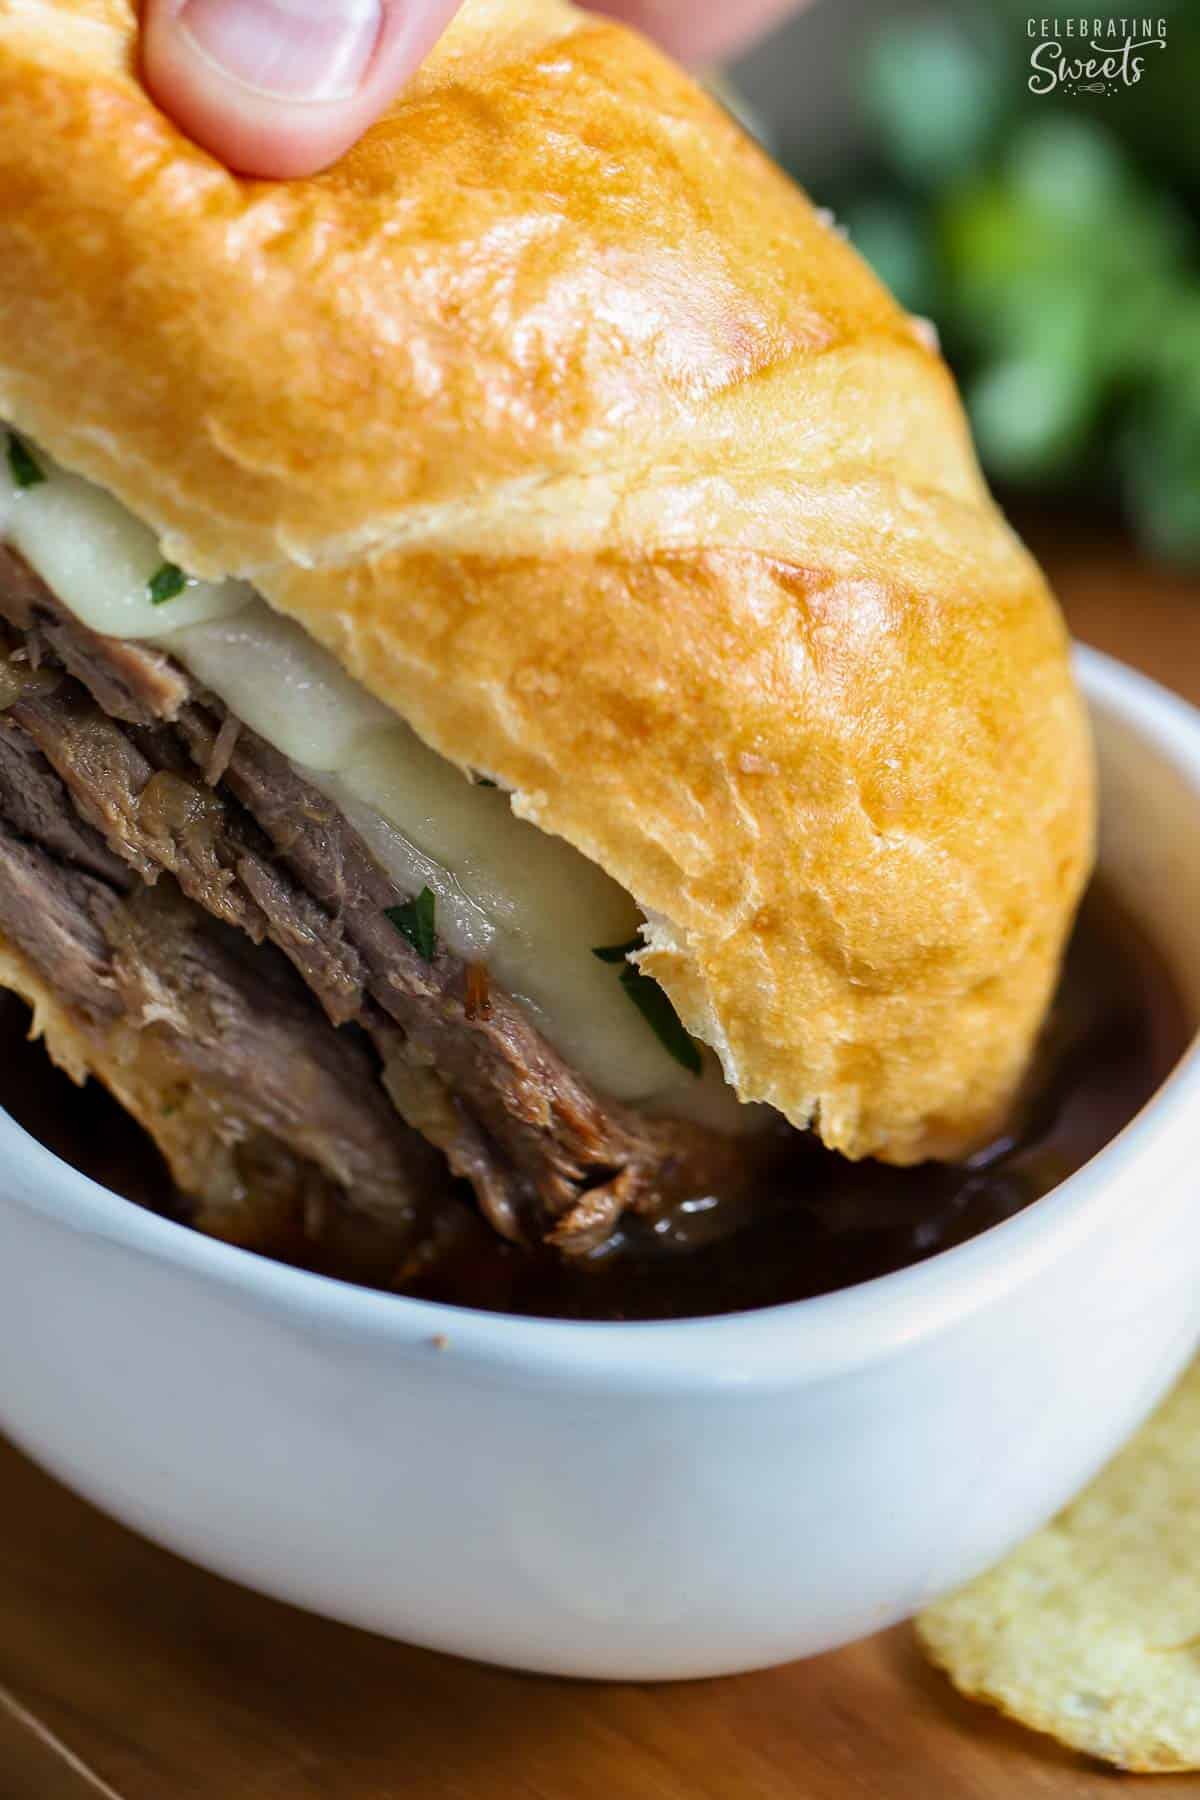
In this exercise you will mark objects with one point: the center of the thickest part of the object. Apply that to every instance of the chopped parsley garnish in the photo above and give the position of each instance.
(165, 583)
(483, 781)
(662, 1018)
(416, 920)
(617, 953)
(27, 472)
(654, 1006)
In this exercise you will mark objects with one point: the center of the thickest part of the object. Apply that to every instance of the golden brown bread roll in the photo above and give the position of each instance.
(586, 444)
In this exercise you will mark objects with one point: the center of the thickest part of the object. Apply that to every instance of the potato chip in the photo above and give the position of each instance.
(1091, 1629)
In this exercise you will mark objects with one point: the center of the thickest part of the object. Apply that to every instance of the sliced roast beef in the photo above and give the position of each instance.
(174, 786)
(130, 681)
(33, 800)
(56, 917)
(243, 1026)
(565, 1161)
(287, 1128)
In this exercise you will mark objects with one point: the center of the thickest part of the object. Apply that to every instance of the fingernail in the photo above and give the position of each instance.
(287, 49)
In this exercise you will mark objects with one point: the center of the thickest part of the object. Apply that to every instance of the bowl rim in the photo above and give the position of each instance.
(793, 1344)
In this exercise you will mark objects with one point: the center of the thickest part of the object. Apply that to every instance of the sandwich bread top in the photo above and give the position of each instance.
(560, 416)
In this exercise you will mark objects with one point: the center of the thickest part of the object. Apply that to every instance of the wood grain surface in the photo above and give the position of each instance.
(125, 1672)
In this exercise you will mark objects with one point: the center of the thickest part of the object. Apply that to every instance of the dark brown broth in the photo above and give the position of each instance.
(1117, 1029)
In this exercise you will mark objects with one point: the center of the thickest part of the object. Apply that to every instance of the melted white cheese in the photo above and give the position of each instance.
(525, 903)
(270, 673)
(547, 906)
(99, 559)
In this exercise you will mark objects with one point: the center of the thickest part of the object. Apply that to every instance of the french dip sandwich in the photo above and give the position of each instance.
(509, 663)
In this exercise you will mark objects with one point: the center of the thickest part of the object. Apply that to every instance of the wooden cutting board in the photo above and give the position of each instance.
(125, 1673)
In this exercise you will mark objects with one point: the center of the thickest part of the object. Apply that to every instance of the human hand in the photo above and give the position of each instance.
(283, 87)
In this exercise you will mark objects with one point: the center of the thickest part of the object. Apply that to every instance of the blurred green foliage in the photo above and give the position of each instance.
(1053, 240)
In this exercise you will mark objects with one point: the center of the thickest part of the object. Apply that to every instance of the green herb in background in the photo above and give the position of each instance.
(165, 584)
(24, 468)
(1052, 240)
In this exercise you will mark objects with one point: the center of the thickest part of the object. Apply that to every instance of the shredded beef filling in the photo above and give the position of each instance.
(269, 1120)
(121, 775)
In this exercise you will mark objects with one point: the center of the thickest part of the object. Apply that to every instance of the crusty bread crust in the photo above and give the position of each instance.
(588, 445)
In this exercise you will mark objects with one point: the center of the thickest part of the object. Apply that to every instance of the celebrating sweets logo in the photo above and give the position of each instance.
(1091, 56)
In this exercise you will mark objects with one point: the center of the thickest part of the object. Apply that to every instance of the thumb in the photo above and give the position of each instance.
(283, 87)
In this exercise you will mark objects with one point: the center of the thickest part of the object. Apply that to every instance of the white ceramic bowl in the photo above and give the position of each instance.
(657, 1500)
